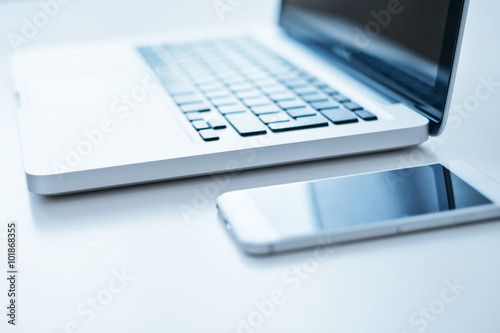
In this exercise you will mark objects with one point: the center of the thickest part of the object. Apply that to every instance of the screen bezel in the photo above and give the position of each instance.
(412, 98)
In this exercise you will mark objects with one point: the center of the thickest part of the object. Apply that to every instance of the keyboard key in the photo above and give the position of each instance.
(200, 125)
(247, 68)
(194, 116)
(293, 79)
(220, 93)
(266, 83)
(325, 105)
(298, 84)
(229, 76)
(258, 76)
(274, 89)
(287, 76)
(366, 115)
(180, 89)
(309, 78)
(240, 87)
(353, 106)
(246, 124)
(305, 90)
(234, 80)
(188, 99)
(258, 110)
(340, 116)
(299, 123)
(217, 124)
(196, 107)
(224, 101)
(301, 112)
(206, 82)
(317, 83)
(249, 94)
(291, 104)
(256, 101)
(282, 96)
(209, 135)
(341, 98)
(329, 91)
(274, 118)
(169, 80)
(238, 108)
(318, 97)
(210, 86)
(279, 69)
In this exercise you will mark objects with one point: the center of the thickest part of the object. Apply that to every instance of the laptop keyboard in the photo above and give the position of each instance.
(239, 83)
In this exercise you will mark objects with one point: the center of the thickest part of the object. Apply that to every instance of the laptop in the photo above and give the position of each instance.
(330, 79)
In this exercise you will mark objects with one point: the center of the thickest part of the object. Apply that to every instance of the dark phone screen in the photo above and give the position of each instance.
(333, 203)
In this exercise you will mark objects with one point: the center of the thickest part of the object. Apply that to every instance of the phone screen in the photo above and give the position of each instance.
(334, 203)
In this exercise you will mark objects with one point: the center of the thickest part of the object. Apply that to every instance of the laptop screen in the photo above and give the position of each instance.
(405, 48)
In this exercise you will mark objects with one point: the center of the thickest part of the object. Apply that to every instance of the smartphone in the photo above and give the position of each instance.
(336, 210)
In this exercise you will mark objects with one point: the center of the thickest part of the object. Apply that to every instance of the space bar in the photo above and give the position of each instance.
(246, 124)
(299, 123)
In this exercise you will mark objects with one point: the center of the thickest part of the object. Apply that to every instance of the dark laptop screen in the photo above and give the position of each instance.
(406, 48)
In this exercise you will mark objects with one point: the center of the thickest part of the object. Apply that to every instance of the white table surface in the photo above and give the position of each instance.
(188, 274)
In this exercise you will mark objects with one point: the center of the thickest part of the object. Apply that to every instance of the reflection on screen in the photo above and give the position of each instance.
(334, 203)
(385, 28)
(405, 45)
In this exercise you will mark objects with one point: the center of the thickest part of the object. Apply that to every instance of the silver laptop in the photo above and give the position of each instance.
(332, 78)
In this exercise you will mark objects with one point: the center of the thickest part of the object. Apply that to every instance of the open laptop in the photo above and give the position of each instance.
(333, 78)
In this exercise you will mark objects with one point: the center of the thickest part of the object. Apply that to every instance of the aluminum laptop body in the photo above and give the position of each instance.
(101, 115)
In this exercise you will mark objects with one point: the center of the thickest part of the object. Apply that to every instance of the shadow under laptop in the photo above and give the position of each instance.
(118, 206)
(191, 202)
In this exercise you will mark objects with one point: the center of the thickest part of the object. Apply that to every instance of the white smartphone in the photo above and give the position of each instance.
(335, 210)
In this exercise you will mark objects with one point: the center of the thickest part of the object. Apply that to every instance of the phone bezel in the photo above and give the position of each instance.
(254, 232)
